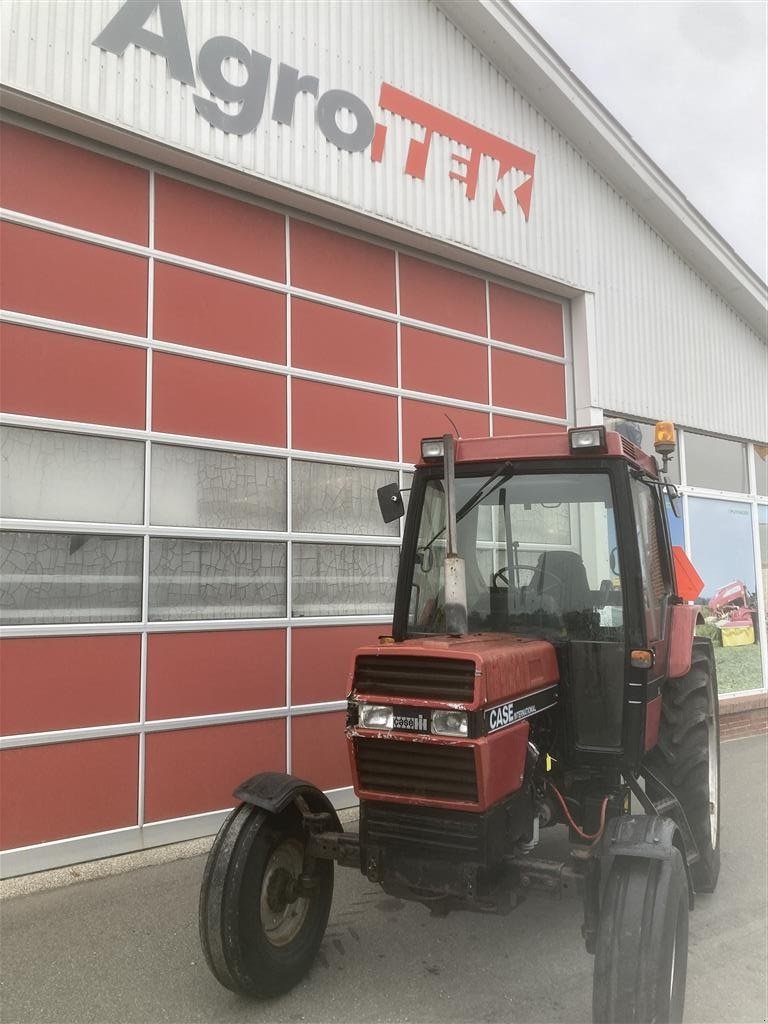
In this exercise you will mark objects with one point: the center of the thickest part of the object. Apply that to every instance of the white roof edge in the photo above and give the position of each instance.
(532, 66)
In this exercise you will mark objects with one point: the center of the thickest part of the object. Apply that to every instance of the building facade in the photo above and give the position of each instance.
(251, 254)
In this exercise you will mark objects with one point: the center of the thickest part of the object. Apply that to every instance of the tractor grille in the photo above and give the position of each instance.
(433, 770)
(425, 830)
(444, 679)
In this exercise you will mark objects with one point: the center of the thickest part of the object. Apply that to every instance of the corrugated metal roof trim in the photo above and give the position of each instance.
(520, 53)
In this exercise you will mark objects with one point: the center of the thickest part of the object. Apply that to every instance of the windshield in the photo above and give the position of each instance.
(540, 555)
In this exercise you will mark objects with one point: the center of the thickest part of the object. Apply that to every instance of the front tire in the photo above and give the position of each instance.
(260, 933)
(687, 758)
(642, 943)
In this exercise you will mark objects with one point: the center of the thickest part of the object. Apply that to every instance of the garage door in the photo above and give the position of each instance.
(201, 395)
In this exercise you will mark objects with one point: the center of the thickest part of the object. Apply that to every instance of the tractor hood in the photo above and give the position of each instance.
(498, 667)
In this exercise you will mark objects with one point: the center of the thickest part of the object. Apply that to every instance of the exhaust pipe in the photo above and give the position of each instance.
(455, 577)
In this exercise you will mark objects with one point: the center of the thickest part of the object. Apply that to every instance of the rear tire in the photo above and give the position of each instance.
(687, 758)
(259, 938)
(642, 943)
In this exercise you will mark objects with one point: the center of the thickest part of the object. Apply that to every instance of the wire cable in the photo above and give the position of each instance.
(572, 823)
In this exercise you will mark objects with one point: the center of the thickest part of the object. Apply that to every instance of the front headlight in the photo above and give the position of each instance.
(450, 723)
(375, 716)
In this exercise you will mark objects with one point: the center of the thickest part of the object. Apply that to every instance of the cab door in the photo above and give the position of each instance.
(657, 590)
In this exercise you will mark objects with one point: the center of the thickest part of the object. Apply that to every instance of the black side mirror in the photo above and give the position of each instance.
(674, 498)
(390, 502)
(613, 561)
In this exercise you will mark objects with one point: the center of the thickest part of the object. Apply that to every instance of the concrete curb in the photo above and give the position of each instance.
(43, 881)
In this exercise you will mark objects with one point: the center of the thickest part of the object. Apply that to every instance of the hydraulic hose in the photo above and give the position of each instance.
(579, 831)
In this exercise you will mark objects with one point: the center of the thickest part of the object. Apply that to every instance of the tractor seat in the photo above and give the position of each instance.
(561, 577)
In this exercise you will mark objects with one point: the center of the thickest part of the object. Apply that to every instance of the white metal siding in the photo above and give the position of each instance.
(667, 344)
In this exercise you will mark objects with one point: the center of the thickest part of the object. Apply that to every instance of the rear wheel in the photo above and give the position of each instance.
(260, 928)
(687, 758)
(642, 943)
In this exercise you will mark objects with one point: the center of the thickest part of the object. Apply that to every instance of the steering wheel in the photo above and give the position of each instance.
(502, 574)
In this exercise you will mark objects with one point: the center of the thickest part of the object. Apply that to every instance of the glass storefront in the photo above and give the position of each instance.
(724, 555)
(724, 484)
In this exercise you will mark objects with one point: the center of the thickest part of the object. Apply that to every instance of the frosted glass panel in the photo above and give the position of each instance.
(344, 579)
(761, 468)
(221, 490)
(716, 463)
(339, 499)
(60, 577)
(216, 579)
(72, 477)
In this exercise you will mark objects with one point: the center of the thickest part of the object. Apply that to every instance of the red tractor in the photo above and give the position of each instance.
(732, 603)
(542, 670)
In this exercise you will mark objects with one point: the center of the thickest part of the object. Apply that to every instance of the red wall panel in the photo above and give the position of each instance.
(348, 344)
(195, 770)
(319, 750)
(328, 418)
(441, 296)
(43, 373)
(526, 320)
(68, 789)
(213, 228)
(68, 682)
(528, 384)
(508, 425)
(347, 268)
(205, 311)
(440, 365)
(214, 672)
(56, 181)
(202, 399)
(425, 419)
(321, 660)
(52, 276)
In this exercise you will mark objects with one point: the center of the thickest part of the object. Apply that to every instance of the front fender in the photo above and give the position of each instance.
(274, 791)
(647, 836)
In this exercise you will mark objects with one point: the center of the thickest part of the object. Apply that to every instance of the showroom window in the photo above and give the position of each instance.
(206, 487)
(760, 455)
(69, 577)
(70, 477)
(344, 579)
(60, 575)
(715, 463)
(215, 579)
(328, 498)
(724, 528)
(724, 555)
(215, 544)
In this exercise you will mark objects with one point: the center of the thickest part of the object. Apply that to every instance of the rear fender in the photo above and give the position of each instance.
(275, 791)
(646, 837)
(683, 619)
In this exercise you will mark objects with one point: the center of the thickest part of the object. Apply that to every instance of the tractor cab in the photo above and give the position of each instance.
(560, 537)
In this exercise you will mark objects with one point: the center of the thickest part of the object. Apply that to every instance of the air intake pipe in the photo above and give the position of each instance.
(455, 576)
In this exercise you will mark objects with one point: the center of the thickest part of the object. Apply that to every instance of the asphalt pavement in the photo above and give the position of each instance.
(125, 948)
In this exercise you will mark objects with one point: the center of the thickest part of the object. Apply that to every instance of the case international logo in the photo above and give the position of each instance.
(172, 43)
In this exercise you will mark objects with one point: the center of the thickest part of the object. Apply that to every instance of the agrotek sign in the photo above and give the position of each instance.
(360, 130)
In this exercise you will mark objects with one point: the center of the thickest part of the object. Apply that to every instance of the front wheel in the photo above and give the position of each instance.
(260, 928)
(641, 954)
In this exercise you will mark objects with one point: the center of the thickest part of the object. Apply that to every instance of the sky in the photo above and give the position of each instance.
(689, 82)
